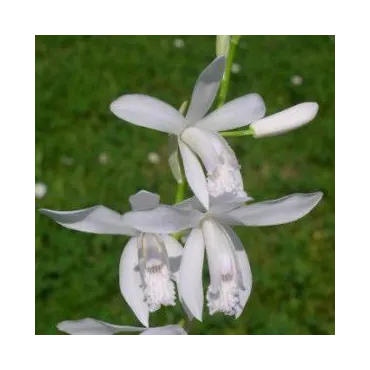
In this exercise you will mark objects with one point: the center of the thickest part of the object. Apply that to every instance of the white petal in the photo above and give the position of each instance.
(186, 308)
(130, 281)
(144, 200)
(174, 252)
(173, 158)
(194, 174)
(98, 220)
(205, 89)
(244, 267)
(236, 113)
(163, 219)
(165, 330)
(190, 203)
(190, 284)
(274, 212)
(94, 327)
(145, 111)
(287, 120)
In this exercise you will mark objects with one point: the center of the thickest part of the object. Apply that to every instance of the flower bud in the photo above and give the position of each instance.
(222, 45)
(286, 120)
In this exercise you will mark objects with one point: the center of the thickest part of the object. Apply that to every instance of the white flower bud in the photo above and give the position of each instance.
(286, 120)
(222, 45)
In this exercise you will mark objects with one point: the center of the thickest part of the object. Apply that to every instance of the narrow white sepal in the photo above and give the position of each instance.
(90, 326)
(190, 284)
(130, 281)
(98, 220)
(194, 174)
(286, 120)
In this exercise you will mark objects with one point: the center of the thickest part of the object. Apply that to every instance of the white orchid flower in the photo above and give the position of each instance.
(149, 260)
(197, 134)
(230, 273)
(96, 327)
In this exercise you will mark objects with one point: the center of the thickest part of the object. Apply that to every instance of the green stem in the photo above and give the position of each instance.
(180, 192)
(226, 78)
(246, 132)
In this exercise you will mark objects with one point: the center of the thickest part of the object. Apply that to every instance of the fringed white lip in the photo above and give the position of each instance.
(224, 292)
(219, 160)
(155, 272)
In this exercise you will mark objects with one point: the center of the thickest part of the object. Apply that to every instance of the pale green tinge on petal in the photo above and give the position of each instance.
(165, 330)
(244, 268)
(98, 220)
(194, 174)
(130, 281)
(273, 212)
(287, 120)
(236, 113)
(173, 158)
(144, 200)
(145, 111)
(90, 326)
(163, 219)
(190, 284)
(205, 90)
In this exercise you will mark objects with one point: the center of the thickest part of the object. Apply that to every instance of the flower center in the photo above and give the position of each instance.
(219, 160)
(155, 272)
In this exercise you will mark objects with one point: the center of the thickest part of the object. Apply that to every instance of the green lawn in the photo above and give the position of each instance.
(77, 77)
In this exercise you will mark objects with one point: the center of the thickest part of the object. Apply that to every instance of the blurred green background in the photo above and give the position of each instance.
(87, 156)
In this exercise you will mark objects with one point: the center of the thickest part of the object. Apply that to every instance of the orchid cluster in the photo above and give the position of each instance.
(155, 268)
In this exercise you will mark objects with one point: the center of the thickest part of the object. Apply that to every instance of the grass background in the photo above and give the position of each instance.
(76, 79)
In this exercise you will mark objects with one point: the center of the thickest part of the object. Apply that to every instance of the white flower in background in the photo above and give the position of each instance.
(296, 80)
(196, 133)
(149, 261)
(235, 68)
(286, 120)
(230, 274)
(40, 190)
(103, 158)
(154, 158)
(178, 43)
(96, 327)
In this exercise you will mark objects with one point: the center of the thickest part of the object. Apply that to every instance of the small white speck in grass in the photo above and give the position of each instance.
(178, 43)
(40, 190)
(154, 158)
(67, 161)
(296, 80)
(184, 238)
(103, 158)
(235, 68)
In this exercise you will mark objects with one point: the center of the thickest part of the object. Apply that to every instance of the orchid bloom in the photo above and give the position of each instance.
(197, 134)
(90, 326)
(230, 273)
(149, 260)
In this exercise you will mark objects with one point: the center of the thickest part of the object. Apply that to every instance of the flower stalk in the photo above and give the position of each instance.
(226, 77)
(246, 132)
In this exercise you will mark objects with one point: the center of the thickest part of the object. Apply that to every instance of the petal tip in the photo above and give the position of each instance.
(312, 109)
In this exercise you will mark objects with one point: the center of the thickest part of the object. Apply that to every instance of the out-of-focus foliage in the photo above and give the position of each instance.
(78, 77)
